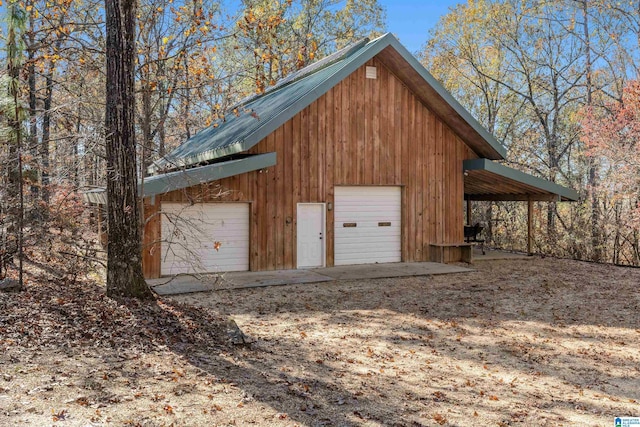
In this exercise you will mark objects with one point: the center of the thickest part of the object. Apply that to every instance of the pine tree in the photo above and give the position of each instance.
(124, 253)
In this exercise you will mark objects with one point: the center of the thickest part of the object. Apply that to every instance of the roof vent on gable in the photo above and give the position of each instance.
(371, 73)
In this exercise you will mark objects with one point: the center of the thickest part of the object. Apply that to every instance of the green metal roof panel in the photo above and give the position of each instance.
(260, 116)
(97, 196)
(238, 132)
(563, 193)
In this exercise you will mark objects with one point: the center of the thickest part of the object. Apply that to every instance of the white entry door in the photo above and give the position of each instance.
(367, 225)
(311, 235)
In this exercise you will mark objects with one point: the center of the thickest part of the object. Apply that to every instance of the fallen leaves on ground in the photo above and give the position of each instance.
(528, 342)
(54, 314)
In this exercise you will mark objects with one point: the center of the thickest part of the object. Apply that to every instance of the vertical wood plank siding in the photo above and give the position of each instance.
(361, 132)
(151, 240)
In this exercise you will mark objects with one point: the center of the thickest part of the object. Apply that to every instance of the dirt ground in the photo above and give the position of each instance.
(528, 342)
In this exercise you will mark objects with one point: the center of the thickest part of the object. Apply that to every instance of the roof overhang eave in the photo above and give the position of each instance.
(95, 196)
(177, 180)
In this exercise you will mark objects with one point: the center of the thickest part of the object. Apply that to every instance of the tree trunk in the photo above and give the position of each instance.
(596, 233)
(124, 253)
(145, 127)
(187, 97)
(616, 241)
(163, 110)
(31, 70)
(15, 182)
(636, 248)
(76, 141)
(46, 133)
(161, 140)
(488, 232)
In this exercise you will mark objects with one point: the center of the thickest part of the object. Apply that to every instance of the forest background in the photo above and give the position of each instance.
(555, 82)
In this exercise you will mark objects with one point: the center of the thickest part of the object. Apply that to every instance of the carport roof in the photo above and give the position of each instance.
(487, 180)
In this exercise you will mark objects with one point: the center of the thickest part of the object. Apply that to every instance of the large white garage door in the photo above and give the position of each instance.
(367, 225)
(190, 233)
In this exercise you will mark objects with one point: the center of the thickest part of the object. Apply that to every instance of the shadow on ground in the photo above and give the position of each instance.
(537, 343)
(534, 336)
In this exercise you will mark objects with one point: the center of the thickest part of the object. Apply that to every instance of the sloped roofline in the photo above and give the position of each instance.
(507, 174)
(354, 59)
(500, 151)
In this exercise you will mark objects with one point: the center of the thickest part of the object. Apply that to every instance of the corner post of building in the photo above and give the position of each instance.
(530, 226)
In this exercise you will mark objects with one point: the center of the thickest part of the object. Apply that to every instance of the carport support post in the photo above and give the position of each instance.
(530, 226)
(469, 211)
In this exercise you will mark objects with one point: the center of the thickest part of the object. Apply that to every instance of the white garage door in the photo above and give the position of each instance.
(367, 225)
(190, 235)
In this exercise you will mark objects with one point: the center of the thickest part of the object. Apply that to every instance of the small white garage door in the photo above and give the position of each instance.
(367, 223)
(190, 233)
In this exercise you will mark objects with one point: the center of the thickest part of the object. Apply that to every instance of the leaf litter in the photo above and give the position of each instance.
(528, 342)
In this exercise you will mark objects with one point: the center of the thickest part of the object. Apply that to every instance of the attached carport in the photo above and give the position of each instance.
(485, 180)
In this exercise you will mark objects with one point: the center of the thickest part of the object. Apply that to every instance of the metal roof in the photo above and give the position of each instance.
(96, 196)
(487, 180)
(166, 182)
(263, 114)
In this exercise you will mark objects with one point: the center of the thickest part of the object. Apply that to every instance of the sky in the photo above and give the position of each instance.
(411, 20)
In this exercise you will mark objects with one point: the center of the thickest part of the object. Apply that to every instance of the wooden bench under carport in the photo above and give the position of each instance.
(451, 252)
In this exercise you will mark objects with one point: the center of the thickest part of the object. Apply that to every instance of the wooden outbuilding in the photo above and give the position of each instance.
(360, 158)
